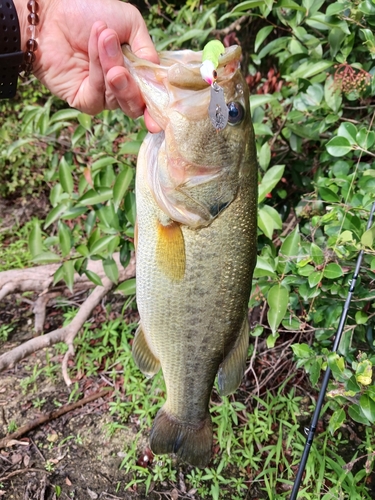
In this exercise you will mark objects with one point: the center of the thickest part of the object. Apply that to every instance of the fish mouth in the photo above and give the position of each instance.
(181, 68)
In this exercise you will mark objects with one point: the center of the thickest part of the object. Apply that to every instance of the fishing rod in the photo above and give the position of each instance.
(319, 403)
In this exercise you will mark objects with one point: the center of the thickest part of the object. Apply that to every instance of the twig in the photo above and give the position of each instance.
(20, 471)
(51, 416)
(64, 334)
(82, 315)
(235, 26)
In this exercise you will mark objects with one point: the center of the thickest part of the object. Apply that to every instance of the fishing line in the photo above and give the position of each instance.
(319, 404)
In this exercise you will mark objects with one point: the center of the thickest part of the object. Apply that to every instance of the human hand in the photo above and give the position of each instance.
(79, 55)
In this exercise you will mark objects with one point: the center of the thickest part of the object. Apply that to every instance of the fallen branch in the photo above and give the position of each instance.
(39, 279)
(21, 471)
(234, 26)
(67, 333)
(52, 415)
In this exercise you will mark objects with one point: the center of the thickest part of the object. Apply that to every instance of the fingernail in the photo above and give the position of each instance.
(111, 46)
(119, 82)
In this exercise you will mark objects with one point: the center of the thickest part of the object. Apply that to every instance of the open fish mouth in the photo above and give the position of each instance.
(181, 68)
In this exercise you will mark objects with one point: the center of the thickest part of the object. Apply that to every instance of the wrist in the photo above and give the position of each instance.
(23, 18)
(31, 15)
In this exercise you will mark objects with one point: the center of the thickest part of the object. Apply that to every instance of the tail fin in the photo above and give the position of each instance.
(191, 443)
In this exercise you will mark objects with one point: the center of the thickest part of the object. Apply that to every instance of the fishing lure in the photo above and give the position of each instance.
(217, 109)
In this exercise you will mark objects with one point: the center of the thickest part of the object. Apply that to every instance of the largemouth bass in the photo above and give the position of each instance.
(196, 195)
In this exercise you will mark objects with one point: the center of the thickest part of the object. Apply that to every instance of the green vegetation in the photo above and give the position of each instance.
(310, 65)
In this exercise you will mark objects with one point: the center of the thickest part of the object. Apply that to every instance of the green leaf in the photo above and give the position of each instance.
(277, 299)
(83, 250)
(268, 220)
(64, 115)
(258, 100)
(102, 163)
(357, 415)
(55, 213)
(336, 420)
(290, 4)
(130, 207)
(130, 148)
(349, 131)
(127, 287)
(368, 407)
(101, 244)
(261, 36)
(65, 238)
(94, 277)
(332, 271)
(335, 8)
(315, 278)
(121, 185)
(85, 121)
(352, 385)
(265, 266)
(242, 7)
(59, 275)
(46, 258)
(65, 176)
(111, 269)
(332, 95)
(338, 146)
(361, 318)
(317, 254)
(309, 69)
(264, 157)
(269, 181)
(367, 238)
(93, 197)
(35, 240)
(77, 135)
(68, 274)
(291, 245)
(73, 213)
(328, 195)
(302, 350)
(363, 373)
(335, 38)
(261, 129)
(365, 138)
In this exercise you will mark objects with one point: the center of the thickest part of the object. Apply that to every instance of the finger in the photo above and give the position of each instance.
(133, 31)
(90, 96)
(151, 124)
(120, 85)
(125, 90)
(96, 77)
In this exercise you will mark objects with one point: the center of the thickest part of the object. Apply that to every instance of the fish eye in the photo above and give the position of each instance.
(235, 113)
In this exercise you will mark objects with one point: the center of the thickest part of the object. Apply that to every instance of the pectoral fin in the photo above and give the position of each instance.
(142, 355)
(231, 369)
(170, 250)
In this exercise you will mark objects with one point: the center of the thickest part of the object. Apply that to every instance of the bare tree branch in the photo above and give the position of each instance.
(7, 440)
(67, 333)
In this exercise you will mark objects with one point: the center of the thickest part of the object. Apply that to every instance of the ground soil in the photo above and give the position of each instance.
(73, 452)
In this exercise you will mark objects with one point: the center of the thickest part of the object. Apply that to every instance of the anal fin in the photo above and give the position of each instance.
(170, 250)
(142, 355)
(232, 368)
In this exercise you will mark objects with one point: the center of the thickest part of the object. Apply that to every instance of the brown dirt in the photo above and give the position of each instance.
(73, 452)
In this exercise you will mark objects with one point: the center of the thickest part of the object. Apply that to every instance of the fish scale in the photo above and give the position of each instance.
(196, 195)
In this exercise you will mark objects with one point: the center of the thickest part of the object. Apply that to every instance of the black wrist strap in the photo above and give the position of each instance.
(11, 56)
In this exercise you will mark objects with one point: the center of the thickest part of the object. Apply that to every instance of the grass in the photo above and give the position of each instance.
(14, 251)
(258, 441)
